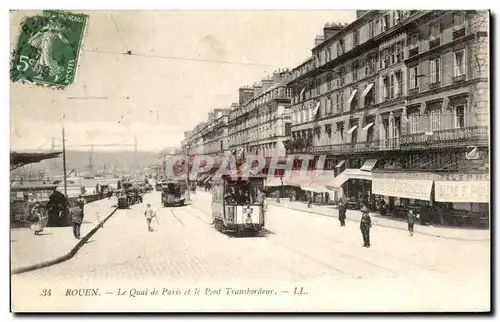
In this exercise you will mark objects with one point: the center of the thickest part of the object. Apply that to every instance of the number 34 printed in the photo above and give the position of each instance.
(46, 292)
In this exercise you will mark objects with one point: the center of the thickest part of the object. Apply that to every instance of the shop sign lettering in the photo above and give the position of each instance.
(462, 191)
(411, 189)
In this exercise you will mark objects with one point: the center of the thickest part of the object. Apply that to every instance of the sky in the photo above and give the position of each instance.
(159, 93)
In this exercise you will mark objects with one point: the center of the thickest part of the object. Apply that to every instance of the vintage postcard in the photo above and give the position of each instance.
(250, 161)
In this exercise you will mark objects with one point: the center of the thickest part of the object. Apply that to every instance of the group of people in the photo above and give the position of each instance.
(366, 221)
(39, 213)
(244, 195)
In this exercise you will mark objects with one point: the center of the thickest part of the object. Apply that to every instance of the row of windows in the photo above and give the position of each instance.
(349, 42)
(254, 119)
(436, 69)
(385, 58)
(260, 133)
(391, 90)
(435, 118)
(280, 92)
(355, 38)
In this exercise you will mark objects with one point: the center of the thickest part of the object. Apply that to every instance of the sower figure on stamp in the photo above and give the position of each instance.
(149, 214)
(365, 225)
(342, 212)
(76, 214)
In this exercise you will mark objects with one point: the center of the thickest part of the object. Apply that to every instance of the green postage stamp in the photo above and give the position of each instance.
(48, 48)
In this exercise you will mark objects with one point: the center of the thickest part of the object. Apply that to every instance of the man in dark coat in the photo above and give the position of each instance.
(411, 221)
(342, 211)
(365, 225)
(76, 214)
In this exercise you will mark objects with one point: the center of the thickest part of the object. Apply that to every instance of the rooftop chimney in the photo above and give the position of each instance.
(245, 94)
(267, 84)
(279, 76)
(331, 29)
(318, 40)
(257, 90)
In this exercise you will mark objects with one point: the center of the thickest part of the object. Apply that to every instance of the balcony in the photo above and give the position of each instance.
(434, 43)
(413, 52)
(452, 137)
(434, 85)
(458, 79)
(357, 147)
(413, 91)
(458, 32)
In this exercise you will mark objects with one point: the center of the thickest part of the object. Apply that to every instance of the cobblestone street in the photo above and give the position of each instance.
(297, 247)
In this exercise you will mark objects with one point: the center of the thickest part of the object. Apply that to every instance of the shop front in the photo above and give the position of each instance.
(445, 199)
(297, 178)
(352, 185)
(466, 197)
(402, 192)
(317, 190)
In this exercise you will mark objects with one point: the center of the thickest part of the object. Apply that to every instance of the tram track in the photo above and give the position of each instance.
(345, 254)
(173, 214)
(247, 247)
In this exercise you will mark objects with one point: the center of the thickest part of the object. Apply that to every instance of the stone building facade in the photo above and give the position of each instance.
(376, 93)
(261, 124)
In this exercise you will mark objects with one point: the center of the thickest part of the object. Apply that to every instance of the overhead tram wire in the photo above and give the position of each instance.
(130, 53)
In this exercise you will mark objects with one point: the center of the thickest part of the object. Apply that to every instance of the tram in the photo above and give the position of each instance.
(238, 204)
(173, 193)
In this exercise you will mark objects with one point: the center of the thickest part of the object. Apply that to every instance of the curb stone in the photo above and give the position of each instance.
(69, 255)
(387, 226)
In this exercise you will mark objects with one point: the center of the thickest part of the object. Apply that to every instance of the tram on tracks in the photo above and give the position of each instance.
(173, 193)
(238, 203)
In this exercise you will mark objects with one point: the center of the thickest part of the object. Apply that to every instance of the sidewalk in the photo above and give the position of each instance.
(28, 249)
(355, 215)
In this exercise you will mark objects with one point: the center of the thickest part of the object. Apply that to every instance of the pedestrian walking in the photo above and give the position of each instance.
(411, 221)
(309, 200)
(76, 214)
(149, 214)
(365, 225)
(80, 201)
(38, 213)
(342, 211)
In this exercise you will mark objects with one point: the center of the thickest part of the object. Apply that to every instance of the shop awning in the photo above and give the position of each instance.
(369, 165)
(347, 174)
(273, 182)
(352, 129)
(402, 188)
(207, 179)
(358, 174)
(316, 109)
(349, 101)
(462, 191)
(297, 178)
(341, 163)
(366, 91)
(320, 181)
(367, 126)
(337, 182)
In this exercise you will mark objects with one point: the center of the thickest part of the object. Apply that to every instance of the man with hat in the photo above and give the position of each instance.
(365, 225)
(342, 212)
(411, 221)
